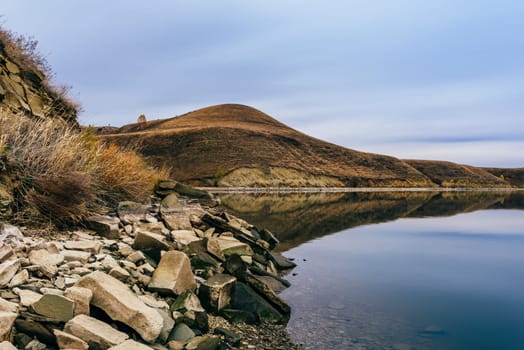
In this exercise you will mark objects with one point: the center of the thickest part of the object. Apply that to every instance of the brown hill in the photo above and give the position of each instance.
(235, 145)
(447, 174)
(513, 177)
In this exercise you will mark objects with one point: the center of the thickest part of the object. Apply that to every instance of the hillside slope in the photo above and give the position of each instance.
(235, 145)
(448, 174)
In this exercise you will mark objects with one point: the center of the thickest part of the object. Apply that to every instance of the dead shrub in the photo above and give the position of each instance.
(67, 173)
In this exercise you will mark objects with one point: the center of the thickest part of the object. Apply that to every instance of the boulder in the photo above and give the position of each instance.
(85, 246)
(151, 243)
(177, 220)
(27, 297)
(216, 292)
(187, 301)
(10, 235)
(131, 212)
(130, 345)
(76, 255)
(173, 274)
(181, 332)
(213, 248)
(246, 299)
(5, 345)
(231, 245)
(169, 324)
(5, 253)
(7, 319)
(82, 298)
(105, 226)
(36, 329)
(97, 334)
(54, 307)
(170, 204)
(204, 342)
(69, 341)
(184, 237)
(8, 306)
(8, 270)
(20, 278)
(45, 257)
(121, 304)
(268, 294)
(281, 262)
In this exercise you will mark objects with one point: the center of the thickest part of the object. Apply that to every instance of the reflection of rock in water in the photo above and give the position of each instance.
(300, 217)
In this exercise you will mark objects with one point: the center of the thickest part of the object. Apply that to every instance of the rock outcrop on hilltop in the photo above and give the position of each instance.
(133, 283)
(24, 88)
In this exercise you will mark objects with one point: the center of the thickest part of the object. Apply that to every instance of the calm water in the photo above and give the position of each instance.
(400, 271)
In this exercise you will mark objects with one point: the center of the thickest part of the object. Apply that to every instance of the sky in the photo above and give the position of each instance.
(426, 79)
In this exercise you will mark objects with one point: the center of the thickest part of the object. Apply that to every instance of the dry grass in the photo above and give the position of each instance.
(68, 173)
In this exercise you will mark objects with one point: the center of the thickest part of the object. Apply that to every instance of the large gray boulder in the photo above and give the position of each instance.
(173, 274)
(121, 304)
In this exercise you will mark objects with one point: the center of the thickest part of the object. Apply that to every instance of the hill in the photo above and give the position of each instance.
(235, 145)
(448, 174)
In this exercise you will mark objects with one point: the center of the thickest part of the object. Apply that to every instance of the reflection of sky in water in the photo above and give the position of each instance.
(380, 285)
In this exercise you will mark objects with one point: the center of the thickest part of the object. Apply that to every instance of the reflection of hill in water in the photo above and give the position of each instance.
(299, 217)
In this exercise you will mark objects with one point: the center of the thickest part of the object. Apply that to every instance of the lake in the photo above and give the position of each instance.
(399, 270)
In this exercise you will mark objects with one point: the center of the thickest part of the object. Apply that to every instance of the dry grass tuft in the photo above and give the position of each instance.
(68, 173)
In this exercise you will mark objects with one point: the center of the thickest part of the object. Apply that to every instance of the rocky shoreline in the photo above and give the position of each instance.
(176, 274)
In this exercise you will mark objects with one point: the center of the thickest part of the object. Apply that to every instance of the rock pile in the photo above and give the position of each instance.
(153, 276)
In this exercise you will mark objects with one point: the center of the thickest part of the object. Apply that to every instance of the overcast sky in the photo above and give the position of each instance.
(433, 79)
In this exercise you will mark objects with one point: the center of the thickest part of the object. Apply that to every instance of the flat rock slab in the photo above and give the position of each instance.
(5, 345)
(85, 246)
(230, 246)
(76, 255)
(148, 241)
(5, 253)
(55, 307)
(216, 291)
(27, 297)
(7, 319)
(121, 304)
(8, 306)
(97, 334)
(105, 226)
(69, 341)
(45, 257)
(8, 270)
(184, 237)
(173, 274)
(130, 345)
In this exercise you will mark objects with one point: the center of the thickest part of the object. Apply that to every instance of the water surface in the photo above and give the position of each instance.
(390, 271)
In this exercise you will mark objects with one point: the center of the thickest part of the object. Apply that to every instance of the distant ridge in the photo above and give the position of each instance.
(237, 145)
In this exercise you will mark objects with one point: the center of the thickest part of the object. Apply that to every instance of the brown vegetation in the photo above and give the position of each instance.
(65, 173)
